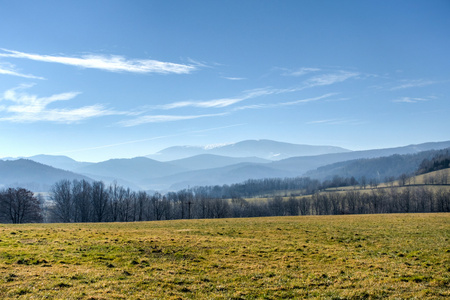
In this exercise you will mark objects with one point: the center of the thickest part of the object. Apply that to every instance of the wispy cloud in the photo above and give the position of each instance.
(21, 107)
(280, 104)
(301, 71)
(336, 122)
(411, 100)
(234, 78)
(413, 83)
(330, 78)
(307, 100)
(215, 103)
(320, 80)
(10, 71)
(112, 63)
(164, 118)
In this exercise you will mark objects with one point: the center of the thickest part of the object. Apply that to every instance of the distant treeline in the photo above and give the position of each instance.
(81, 201)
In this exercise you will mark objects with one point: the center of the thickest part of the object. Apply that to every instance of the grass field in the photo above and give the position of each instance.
(324, 257)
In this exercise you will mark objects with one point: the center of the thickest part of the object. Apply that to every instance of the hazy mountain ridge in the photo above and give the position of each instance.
(205, 169)
(217, 176)
(291, 167)
(265, 149)
(33, 175)
(374, 168)
(208, 161)
(135, 170)
(57, 161)
(307, 163)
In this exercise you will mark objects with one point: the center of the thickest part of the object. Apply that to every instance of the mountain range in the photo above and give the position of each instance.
(266, 149)
(194, 166)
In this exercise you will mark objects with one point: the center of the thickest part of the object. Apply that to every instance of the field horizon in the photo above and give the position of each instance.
(333, 257)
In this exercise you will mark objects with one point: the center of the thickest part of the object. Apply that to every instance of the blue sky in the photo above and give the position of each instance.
(96, 80)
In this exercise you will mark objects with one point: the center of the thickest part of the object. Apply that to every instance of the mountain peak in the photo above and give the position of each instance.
(265, 149)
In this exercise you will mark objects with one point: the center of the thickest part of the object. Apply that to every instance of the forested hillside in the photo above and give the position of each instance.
(440, 160)
(383, 168)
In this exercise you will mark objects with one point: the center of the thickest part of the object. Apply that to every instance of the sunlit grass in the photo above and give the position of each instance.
(334, 257)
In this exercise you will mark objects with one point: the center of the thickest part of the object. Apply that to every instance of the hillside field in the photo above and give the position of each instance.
(393, 256)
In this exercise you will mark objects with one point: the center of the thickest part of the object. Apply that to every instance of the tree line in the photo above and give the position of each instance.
(81, 201)
(85, 201)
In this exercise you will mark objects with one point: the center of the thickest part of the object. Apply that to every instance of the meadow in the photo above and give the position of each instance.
(391, 256)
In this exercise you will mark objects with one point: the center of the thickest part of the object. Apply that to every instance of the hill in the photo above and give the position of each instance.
(303, 164)
(374, 168)
(32, 175)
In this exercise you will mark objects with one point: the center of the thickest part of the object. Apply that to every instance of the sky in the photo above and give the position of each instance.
(95, 80)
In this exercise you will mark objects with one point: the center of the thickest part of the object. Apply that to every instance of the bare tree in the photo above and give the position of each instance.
(61, 196)
(99, 201)
(18, 205)
(82, 193)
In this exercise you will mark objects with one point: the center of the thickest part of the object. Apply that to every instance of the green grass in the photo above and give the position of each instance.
(323, 257)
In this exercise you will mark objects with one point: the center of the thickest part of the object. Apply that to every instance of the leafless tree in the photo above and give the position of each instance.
(61, 196)
(99, 201)
(18, 205)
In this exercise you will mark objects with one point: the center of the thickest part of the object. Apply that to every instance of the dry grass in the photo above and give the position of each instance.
(331, 257)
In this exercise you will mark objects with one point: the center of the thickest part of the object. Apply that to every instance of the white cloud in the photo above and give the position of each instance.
(164, 118)
(413, 83)
(113, 63)
(289, 103)
(307, 100)
(10, 71)
(215, 103)
(336, 122)
(202, 104)
(234, 78)
(21, 107)
(301, 71)
(410, 100)
(328, 79)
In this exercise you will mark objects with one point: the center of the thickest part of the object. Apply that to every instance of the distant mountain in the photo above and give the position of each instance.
(291, 167)
(265, 149)
(58, 161)
(374, 168)
(32, 175)
(135, 170)
(303, 164)
(211, 168)
(209, 161)
(216, 176)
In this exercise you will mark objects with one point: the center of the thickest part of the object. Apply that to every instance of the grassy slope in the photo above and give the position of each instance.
(339, 257)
